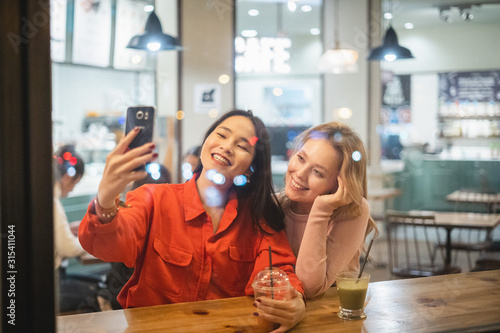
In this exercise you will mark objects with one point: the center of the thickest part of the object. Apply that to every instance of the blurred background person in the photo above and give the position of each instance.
(190, 162)
(77, 292)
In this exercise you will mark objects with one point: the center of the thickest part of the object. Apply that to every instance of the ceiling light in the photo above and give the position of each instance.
(390, 49)
(388, 16)
(409, 25)
(249, 33)
(292, 5)
(466, 14)
(253, 12)
(149, 8)
(306, 8)
(153, 39)
(337, 60)
(315, 31)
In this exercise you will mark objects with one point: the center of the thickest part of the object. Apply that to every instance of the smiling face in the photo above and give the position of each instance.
(229, 149)
(311, 172)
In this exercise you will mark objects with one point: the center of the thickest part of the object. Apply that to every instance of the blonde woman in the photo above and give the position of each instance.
(327, 216)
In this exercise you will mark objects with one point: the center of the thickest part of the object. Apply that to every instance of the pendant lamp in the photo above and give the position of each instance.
(338, 60)
(153, 39)
(390, 49)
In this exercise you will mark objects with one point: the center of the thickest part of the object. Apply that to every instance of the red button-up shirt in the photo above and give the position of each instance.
(168, 237)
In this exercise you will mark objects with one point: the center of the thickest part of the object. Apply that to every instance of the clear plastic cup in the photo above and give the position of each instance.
(272, 283)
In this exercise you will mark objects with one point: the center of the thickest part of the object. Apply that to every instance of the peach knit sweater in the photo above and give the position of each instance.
(323, 245)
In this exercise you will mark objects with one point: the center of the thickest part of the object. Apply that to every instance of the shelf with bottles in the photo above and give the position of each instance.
(469, 110)
(469, 128)
(473, 117)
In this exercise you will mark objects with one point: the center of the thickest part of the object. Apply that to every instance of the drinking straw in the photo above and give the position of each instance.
(366, 258)
(271, 269)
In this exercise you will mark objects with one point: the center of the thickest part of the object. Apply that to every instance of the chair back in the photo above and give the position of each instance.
(411, 241)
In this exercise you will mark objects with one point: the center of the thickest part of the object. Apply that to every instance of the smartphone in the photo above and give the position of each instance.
(144, 118)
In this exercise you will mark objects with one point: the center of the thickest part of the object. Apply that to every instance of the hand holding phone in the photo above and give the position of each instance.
(144, 118)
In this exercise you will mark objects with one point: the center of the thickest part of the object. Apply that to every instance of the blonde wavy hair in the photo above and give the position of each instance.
(353, 172)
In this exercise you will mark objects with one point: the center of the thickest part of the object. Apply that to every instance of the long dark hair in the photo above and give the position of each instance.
(64, 159)
(259, 191)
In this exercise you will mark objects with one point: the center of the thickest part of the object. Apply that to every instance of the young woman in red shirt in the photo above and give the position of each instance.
(204, 239)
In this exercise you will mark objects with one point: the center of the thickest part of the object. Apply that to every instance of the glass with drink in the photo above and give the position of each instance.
(352, 294)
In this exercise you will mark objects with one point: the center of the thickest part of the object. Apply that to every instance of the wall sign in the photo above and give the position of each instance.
(92, 32)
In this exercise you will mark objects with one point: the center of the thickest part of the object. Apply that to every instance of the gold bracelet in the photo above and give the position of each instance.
(107, 212)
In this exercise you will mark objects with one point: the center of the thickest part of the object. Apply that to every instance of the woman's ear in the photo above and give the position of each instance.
(249, 172)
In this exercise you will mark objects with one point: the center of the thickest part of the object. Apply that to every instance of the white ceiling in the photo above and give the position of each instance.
(422, 13)
(425, 13)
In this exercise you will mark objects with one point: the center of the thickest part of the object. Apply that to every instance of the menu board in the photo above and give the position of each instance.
(469, 93)
(92, 32)
(58, 10)
(130, 21)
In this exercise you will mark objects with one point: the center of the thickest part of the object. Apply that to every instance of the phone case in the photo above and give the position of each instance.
(143, 117)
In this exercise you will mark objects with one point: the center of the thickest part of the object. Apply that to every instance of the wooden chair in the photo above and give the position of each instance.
(411, 238)
(468, 241)
(487, 261)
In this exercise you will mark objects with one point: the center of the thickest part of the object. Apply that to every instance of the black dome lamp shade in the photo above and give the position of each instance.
(390, 49)
(153, 39)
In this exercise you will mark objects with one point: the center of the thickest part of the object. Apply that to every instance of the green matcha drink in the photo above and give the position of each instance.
(352, 295)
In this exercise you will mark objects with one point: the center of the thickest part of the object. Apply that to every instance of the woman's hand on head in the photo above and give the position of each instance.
(286, 313)
(120, 167)
(340, 198)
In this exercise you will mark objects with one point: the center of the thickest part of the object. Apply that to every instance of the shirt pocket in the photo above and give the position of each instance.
(169, 268)
(239, 267)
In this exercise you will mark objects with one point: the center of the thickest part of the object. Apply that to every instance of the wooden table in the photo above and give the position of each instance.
(452, 220)
(458, 302)
(491, 200)
(383, 196)
(383, 193)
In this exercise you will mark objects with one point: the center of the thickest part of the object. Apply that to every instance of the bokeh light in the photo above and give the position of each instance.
(344, 113)
(212, 113)
(180, 115)
(356, 156)
(224, 78)
(210, 174)
(135, 59)
(219, 179)
(277, 91)
(71, 171)
(153, 168)
(187, 173)
(316, 135)
(337, 136)
(240, 180)
(213, 197)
